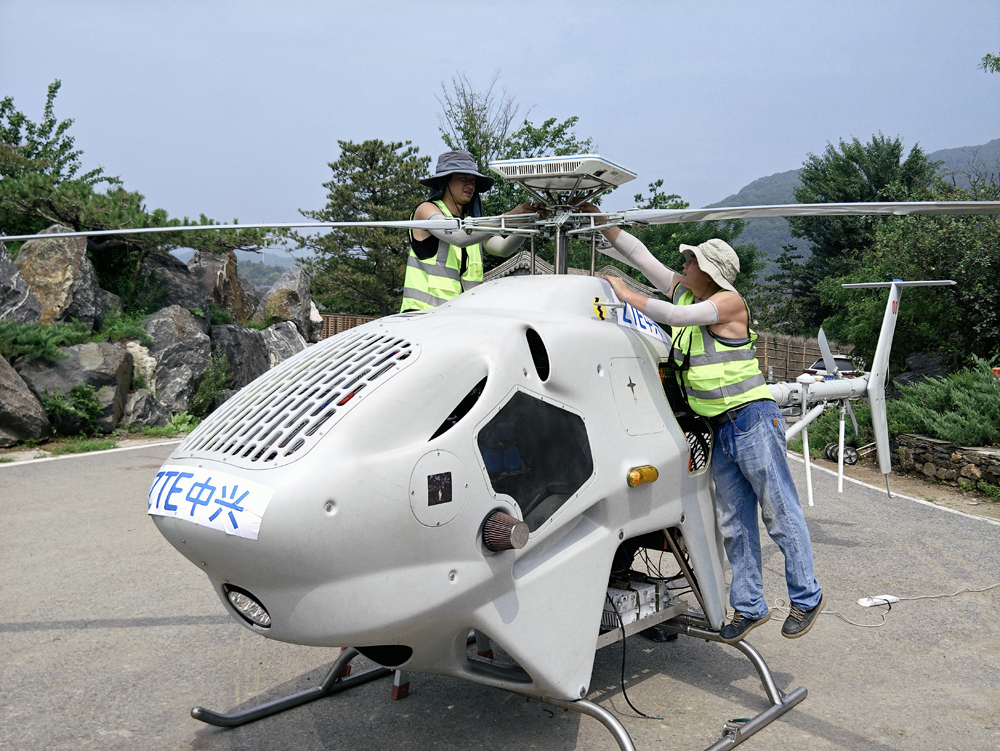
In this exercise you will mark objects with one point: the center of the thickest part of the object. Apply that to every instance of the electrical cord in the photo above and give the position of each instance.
(780, 604)
(621, 625)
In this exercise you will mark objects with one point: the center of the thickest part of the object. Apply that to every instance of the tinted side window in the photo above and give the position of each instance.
(536, 453)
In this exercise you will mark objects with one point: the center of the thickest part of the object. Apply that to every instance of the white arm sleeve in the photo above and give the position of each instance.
(629, 249)
(492, 243)
(458, 238)
(504, 246)
(700, 314)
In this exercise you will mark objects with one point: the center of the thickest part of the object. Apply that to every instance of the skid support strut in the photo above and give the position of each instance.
(735, 733)
(333, 683)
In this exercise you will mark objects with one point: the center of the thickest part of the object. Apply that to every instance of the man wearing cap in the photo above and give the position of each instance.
(443, 264)
(715, 359)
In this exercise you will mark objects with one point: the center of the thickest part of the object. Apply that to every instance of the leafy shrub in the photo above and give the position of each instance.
(196, 312)
(220, 316)
(216, 380)
(79, 404)
(40, 340)
(963, 409)
(124, 326)
(260, 325)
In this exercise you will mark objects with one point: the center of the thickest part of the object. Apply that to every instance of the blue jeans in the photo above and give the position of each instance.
(750, 468)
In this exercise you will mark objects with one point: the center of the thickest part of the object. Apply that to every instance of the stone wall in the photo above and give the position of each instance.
(952, 465)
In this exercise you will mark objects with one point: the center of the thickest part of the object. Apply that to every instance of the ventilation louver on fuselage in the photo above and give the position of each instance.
(281, 415)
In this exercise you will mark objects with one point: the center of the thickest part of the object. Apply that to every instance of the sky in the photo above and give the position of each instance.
(235, 109)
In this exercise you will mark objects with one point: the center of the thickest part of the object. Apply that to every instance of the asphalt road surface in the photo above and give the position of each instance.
(108, 637)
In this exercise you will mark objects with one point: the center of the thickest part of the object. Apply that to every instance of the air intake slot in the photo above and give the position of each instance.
(539, 355)
(281, 415)
(462, 409)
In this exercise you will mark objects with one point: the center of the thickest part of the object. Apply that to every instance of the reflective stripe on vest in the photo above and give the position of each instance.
(435, 281)
(718, 377)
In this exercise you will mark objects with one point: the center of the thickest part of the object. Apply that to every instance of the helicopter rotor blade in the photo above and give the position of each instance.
(426, 224)
(901, 208)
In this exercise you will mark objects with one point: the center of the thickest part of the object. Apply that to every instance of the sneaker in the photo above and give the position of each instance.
(800, 621)
(737, 628)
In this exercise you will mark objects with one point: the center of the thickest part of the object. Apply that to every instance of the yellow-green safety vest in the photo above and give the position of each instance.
(439, 279)
(717, 377)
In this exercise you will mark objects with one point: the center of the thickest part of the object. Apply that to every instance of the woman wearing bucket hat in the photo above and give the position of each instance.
(441, 264)
(715, 360)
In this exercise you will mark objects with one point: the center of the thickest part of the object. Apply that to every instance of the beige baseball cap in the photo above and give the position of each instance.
(717, 259)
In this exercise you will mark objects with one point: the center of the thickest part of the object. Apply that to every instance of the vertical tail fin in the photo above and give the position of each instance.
(880, 364)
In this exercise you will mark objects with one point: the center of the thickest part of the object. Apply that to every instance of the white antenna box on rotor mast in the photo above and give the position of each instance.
(578, 174)
(561, 184)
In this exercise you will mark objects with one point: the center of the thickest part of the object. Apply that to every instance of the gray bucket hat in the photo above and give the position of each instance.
(717, 259)
(452, 162)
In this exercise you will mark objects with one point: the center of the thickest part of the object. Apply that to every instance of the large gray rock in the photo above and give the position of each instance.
(17, 301)
(167, 281)
(22, 416)
(222, 285)
(252, 292)
(61, 276)
(920, 367)
(289, 300)
(315, 324)
(106, 367)
(142, 409)
(111, 306)
(282, 341)
(182, 351)
(245, 350)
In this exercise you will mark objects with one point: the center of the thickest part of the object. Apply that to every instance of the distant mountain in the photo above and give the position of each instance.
(770, 235)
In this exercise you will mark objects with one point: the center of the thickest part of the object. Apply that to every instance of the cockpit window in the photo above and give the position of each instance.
(537, 453)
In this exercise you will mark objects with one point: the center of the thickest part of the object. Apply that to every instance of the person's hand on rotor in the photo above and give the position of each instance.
(530, 208)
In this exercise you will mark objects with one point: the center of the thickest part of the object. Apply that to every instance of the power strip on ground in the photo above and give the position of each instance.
(867, 602)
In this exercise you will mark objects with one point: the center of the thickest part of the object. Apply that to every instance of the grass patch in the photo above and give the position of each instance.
(82, 445)
(180, 422)
(124, 326)
(6, 459)
(991, 491)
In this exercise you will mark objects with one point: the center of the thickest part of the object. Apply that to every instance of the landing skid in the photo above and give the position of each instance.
(673, 618)
(733, 733)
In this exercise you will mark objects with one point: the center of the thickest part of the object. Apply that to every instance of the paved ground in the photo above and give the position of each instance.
(108, 637)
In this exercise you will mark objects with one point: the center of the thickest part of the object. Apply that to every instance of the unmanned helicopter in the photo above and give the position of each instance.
(435, 479)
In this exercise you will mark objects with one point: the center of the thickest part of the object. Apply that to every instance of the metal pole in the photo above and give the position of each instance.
(840, 452)
(593, 252)
(560, 265)
(532, 255)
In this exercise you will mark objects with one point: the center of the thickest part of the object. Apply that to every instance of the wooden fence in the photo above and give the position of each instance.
(783, 358)
(334, 324)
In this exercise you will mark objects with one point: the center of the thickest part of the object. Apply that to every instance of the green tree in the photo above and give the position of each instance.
(42, 183)
(853, 172)
(361, 269)
(990, 63)
(779, 308)
(957, 322)
(483, 123)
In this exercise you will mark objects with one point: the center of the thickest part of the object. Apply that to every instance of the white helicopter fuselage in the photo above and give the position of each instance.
(345, 491)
